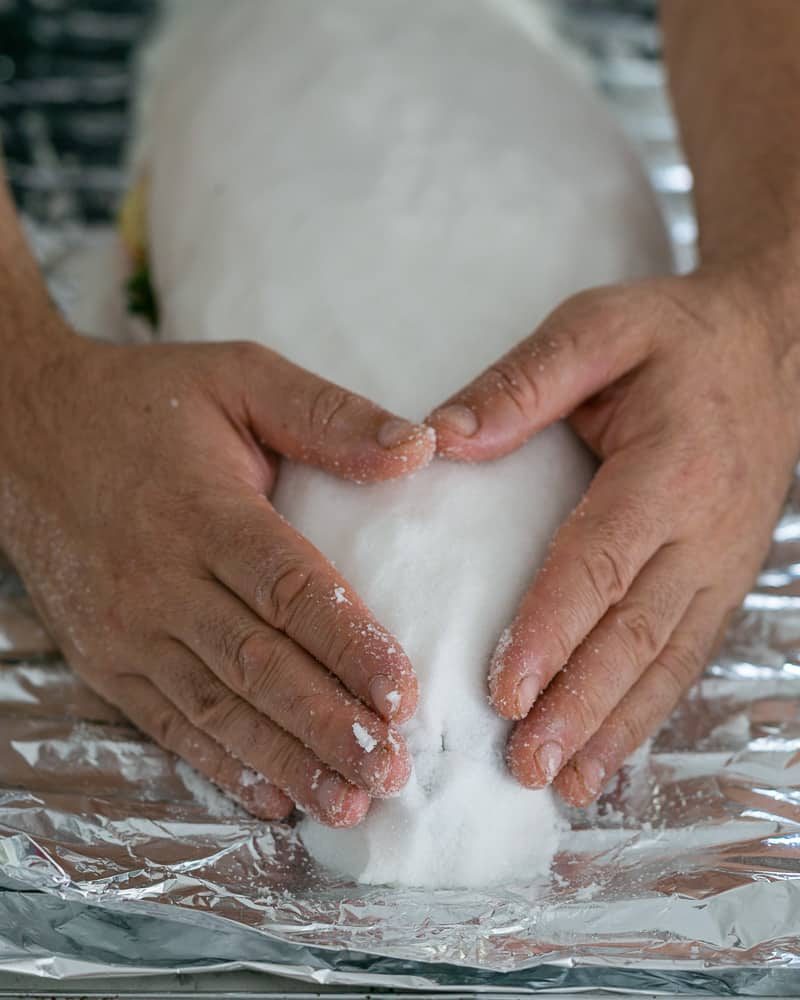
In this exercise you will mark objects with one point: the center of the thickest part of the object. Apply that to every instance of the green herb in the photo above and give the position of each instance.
(141, 297)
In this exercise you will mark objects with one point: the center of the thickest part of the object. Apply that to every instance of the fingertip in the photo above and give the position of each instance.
(463, 434)
(512, 696)
(503, 698)
(407, 708)
(456, 419)
(395, 699)
(499, 676)
(455, 440)
(354, 809)
(515, 676)
(454, 425)
(400, 767)
(265, 801)
(570, 789)
(404, 447)
(337, 803)
(409, 686)
(396, 449)
(580, 782)
(518, 758)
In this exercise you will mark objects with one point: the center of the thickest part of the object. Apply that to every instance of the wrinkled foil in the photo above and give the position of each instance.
(687, 872)
(116, 859)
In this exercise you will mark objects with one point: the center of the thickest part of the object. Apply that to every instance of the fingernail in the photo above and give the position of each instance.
(527, 693)
(268, 799)
(392, 433)
(331, 795)
(384, 695)
(458, 419)
(548, 759)
(591, 775)
(397, 772)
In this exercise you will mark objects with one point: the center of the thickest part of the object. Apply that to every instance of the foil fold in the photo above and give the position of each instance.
(116, 859)
(115, 856)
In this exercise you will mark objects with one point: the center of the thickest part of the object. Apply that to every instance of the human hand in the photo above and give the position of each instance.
(133, 504)
(686, 390)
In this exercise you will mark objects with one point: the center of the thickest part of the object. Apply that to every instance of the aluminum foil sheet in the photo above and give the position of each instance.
(115, 859)
(687, 871)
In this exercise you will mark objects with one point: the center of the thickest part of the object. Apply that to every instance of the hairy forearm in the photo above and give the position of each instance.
(735, 79)
(33, 335)
(24, 305)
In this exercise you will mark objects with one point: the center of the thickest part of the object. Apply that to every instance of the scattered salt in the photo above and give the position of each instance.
(393, 697)
(498, 656)
(364, 739)
(206, 795)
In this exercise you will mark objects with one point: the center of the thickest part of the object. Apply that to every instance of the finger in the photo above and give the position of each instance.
(280, 679)
(290, 585)
(579, 349)
(649, 703)
(308, 419)
(605, 666)
(158, 718)
(595, 557)
(256, 740)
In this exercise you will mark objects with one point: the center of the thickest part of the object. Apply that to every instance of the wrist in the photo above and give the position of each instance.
(757, 296)
(760, 283)
(33, 348)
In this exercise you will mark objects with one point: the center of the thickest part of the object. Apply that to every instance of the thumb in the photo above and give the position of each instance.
(582, 347)
(308, 419)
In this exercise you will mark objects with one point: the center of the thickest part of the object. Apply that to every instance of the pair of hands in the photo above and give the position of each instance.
(135, 507)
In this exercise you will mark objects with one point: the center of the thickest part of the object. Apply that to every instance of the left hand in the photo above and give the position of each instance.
(686, 388)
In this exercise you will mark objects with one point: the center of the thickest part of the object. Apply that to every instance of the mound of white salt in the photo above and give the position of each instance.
(392, 194)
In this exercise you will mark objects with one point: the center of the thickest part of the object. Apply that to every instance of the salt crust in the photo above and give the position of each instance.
(392, 201)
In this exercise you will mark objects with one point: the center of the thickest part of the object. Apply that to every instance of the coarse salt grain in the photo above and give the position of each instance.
(364, 739)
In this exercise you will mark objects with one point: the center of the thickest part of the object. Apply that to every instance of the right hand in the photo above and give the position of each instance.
(134, 505)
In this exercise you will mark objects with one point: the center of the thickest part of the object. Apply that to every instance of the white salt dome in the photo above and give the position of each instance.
(392, 194)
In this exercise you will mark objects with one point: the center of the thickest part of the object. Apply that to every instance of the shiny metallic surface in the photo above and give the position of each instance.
(687, 871)
(115, 860)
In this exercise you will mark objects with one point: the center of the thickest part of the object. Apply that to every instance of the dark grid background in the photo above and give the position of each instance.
(65, 83)
(66, 79)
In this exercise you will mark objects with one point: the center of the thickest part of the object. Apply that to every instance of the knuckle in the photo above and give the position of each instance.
(169, 730)
(269, 671)
(592, 312)
(248, 353)
(638, 633)
(606, 573)
(217, 714)
(197, 700)
(339, 654)
(561, 643)
(284, 589)
(254, 659)
(587, 301)
(510, 376)
(283, 763)
(678, 667)
(631, 732)
(587, 713)
(312, 716)
(328, 402)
